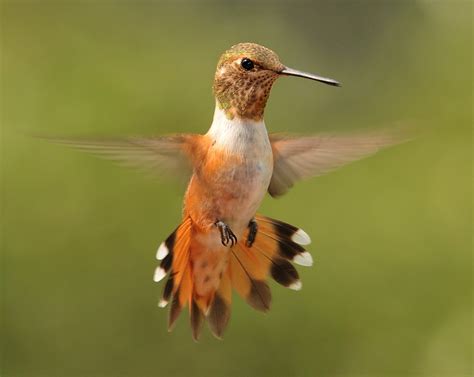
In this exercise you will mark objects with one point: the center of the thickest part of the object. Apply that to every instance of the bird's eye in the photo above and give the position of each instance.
(247, 64)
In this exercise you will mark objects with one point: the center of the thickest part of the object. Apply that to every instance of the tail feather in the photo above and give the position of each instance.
(248, 278)
(181, 297)
(286, 231)
(175, 311)
(283, 272)
(174, 256)
(167, 291)
(219, 313)
(182, 290)
(204, 278)
(196, 318)
(289, 240)
(181, 254)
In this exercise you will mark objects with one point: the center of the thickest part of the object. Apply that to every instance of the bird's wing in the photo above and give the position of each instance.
(296, 158)
(170, 154)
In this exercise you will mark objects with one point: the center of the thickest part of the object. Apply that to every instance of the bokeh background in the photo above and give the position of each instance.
(390, 292)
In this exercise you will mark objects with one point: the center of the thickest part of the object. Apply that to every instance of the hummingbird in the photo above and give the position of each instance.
(222, 243)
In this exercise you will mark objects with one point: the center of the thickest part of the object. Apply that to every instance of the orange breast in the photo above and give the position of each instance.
(228, 187)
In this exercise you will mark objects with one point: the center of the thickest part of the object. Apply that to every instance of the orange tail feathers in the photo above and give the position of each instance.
(246, 269)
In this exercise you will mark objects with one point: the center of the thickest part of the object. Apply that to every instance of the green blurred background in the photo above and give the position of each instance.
(390, 292)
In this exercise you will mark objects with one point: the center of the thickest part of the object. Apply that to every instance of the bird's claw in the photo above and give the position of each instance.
(226, 234)
(253, 229)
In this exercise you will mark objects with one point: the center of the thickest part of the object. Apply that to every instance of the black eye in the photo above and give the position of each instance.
(247, 64)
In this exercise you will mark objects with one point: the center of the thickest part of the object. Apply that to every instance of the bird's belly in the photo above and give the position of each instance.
(241, 194)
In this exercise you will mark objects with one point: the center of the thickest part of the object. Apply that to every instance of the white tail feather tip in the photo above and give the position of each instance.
(162, 251)
(162, 303)
(301, 237)
(159, 274)
(296, 286)
(303, 259)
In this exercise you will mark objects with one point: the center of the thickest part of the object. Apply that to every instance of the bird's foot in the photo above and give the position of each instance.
(227, 236)
(253, 229)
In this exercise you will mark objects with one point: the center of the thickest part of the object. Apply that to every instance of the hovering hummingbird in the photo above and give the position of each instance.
(222, 242)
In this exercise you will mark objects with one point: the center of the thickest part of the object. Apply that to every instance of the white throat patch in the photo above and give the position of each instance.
(237, 135)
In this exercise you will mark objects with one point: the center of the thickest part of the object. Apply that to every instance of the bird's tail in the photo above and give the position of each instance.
(204, 278)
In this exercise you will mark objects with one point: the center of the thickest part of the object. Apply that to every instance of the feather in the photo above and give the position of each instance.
(168, 155)
(175, 311)
(219, 313)
(297, 158)
(196, 318)
(283, 236)
(248, 278)
(203, 277)
(175, 262)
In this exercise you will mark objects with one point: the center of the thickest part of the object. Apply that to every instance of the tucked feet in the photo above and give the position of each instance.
(227, 236)
(253, 229)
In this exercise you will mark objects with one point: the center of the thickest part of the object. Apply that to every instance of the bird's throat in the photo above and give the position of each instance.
(237, 135)
(244, 97)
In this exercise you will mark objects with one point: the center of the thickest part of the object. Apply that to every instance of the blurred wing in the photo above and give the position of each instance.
(171, 154)
(296, 158)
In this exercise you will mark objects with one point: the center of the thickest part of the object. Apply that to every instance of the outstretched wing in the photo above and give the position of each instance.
(296, 158)
(170, 154)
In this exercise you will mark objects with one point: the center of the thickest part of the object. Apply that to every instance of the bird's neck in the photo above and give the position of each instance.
(242, 96)
(244, 107)
(236, 134)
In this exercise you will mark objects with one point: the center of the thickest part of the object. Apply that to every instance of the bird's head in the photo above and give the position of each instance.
(244, 76)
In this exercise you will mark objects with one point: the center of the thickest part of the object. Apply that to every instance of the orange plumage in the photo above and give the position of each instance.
(222, 244)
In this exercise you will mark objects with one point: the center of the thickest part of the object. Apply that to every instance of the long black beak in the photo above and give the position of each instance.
(293, 72)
